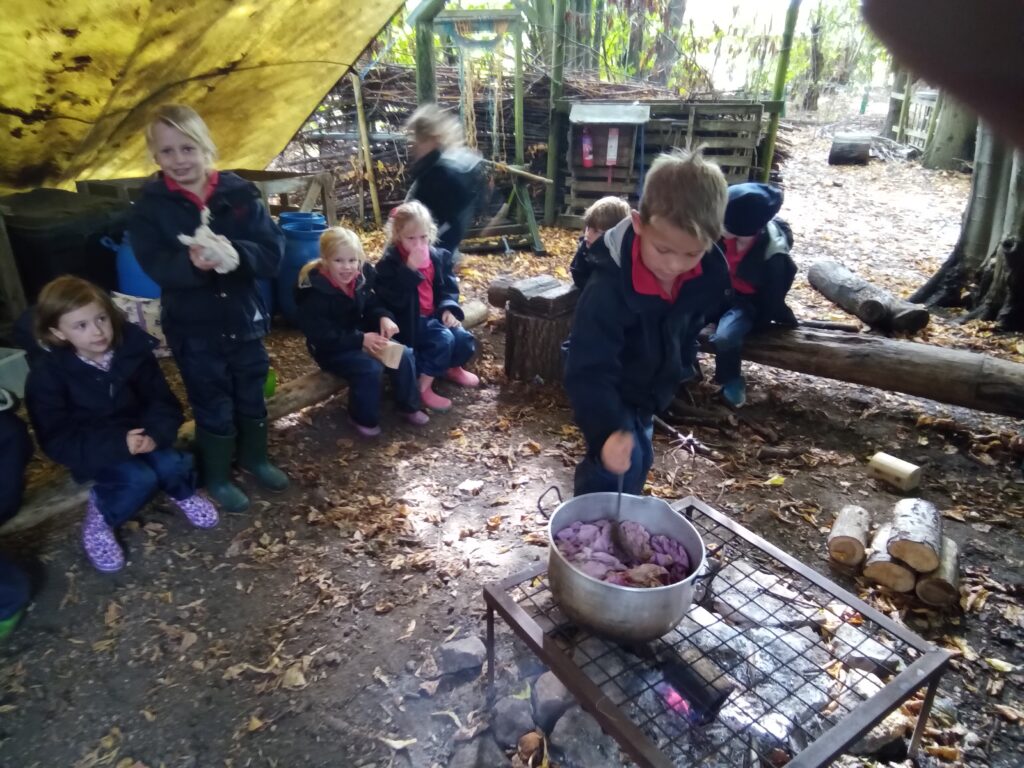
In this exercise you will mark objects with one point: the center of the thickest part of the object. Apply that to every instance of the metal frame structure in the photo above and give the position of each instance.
(594, 669)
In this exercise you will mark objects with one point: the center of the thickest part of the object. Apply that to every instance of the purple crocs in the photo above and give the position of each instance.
(98, 538)
(199, 511)
(416, 418)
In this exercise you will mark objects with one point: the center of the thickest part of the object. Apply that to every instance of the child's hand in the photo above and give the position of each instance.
(616, 452)
(374, 343)
(198, 256)
(450, 320)
(388, 328)
(139, 442)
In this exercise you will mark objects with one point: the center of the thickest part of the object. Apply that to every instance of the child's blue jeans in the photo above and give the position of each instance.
(728, 337)
(363, 374)
(14, 589)
(123, 489)
(439, 348)
(592, 477)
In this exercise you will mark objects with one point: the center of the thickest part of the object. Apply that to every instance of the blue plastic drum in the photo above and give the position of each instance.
(301, 245)
(130, 277)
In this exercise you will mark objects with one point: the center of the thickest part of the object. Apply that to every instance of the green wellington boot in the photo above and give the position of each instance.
(215, 453)
(252, 454)
(7, 625)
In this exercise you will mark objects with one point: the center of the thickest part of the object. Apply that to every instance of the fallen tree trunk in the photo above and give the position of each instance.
(66, 495)
(875, 306)
(950, 376)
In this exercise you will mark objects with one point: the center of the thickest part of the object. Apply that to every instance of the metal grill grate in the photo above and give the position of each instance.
(798, 673)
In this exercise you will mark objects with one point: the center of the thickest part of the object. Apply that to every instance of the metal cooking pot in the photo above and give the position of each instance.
(626, 614)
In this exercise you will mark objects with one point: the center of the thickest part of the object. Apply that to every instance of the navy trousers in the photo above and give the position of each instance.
(592, 477)
(15, 451)
(123, 489)
(224, 379)
(363, 374)
(732, 329)
(439, 348)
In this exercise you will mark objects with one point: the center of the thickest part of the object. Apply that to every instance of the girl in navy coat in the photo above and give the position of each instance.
(213, 314)
(416, 283)
(347, 328)
(100, 406)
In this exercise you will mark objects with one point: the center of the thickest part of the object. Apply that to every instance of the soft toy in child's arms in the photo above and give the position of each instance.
(216, 248)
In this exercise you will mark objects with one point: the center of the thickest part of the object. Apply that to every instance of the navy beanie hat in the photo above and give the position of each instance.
(750, 207)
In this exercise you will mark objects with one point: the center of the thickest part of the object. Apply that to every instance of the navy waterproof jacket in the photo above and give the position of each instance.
(82, 415)
(334, 322)
(625, 353)
(769, 268)
(198, 303)
(449, 185)
(397, 286)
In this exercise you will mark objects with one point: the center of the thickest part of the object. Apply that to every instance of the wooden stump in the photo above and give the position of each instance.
(850, 149)
(499, 289)
(882, 568)
(875, 306)
(849, 537)
(537, 322)
(916, 534)
(941, 587)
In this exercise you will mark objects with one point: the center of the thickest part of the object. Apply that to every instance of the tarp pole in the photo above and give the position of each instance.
(555, 132)
(779, 93)
(426, 82)
(364, 140)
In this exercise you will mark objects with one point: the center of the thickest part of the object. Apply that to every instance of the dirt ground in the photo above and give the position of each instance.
(291, 635)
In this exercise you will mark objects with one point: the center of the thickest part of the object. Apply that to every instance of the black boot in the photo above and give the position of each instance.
(252, 454)
(215, 453)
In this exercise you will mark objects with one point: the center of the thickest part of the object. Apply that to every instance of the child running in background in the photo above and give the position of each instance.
(100, 406)
(416, 284)
(761, 270)
(597, 219)
(212, 310)
(346, 327)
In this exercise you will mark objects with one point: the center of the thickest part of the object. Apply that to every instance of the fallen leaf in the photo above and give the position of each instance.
(999, 665)
(150, 717)
(254, 724)
(408, 630)
(470, 486)
(396, 744)
(293, 679)
(1012, 714)
(775, 480)
(944, 753)
(113, 614)
(383, 606)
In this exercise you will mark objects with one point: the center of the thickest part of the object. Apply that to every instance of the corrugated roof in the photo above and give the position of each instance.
(79, 77)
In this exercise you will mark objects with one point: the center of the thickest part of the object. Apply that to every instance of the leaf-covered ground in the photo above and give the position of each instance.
(301, 633)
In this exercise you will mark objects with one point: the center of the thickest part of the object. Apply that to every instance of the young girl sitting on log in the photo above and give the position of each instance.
(100, 405)
(347, 329)
(756, 246)
(415, 281)
(205, 238)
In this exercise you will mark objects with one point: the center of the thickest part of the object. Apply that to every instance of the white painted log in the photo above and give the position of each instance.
(849, 536)
(916, 537)
(941, 587)
(894, 471)
(882, 568)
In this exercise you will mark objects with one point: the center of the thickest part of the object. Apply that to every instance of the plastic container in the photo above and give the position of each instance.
(13, 370)
(312, 217)
(131, 279)
(301, 245)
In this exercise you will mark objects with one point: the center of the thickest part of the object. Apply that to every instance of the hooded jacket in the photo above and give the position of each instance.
(625, 352)
(334, 322)
(194, 302)
(448, 184)
(397, 288)
(770, 270)
(82, 415)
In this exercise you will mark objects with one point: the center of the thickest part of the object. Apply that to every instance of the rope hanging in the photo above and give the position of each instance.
(467, 107)
(459, 32)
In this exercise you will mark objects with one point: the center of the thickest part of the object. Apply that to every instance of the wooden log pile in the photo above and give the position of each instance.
(875, 306)
(908, 552)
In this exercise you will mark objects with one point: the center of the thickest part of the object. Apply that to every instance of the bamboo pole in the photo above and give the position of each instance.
(364, 140)
(517, 101)
(908, 96)
(423, 18)
(554, 133)
(780, 86)
(933, 121)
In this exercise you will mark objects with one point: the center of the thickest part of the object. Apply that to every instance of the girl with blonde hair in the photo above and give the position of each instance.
(417, 284)
(347, 328)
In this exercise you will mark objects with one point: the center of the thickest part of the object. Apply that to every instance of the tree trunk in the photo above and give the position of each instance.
(849, 536)
(950, 142)
(598, 40)
(875, 306)
(635, 15)
(810, 103)
(948, 375)
(899, 85)
(941, 587)
(849, 148)
(667, 47)
(587, 60)
(916, 536)
(883, 569)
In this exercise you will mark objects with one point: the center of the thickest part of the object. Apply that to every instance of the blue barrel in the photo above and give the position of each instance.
(308, 216)
(301, 245)
(130, 277)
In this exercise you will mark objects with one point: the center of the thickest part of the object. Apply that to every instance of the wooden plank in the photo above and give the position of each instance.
(725, 142)
(616, 187)
(568, 221)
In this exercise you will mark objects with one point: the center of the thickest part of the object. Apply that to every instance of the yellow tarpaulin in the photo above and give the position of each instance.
(78, 78)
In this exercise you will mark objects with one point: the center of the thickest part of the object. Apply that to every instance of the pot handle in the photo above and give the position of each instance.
(702, 581)
(540, 499)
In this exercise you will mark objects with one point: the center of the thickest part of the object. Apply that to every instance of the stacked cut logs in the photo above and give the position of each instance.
(907, 553)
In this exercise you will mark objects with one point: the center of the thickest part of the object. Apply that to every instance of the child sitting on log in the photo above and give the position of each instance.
(656, 276)
(416, 283)
(597, 219)
(100, 405)
(347, 330)
(756, 246)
